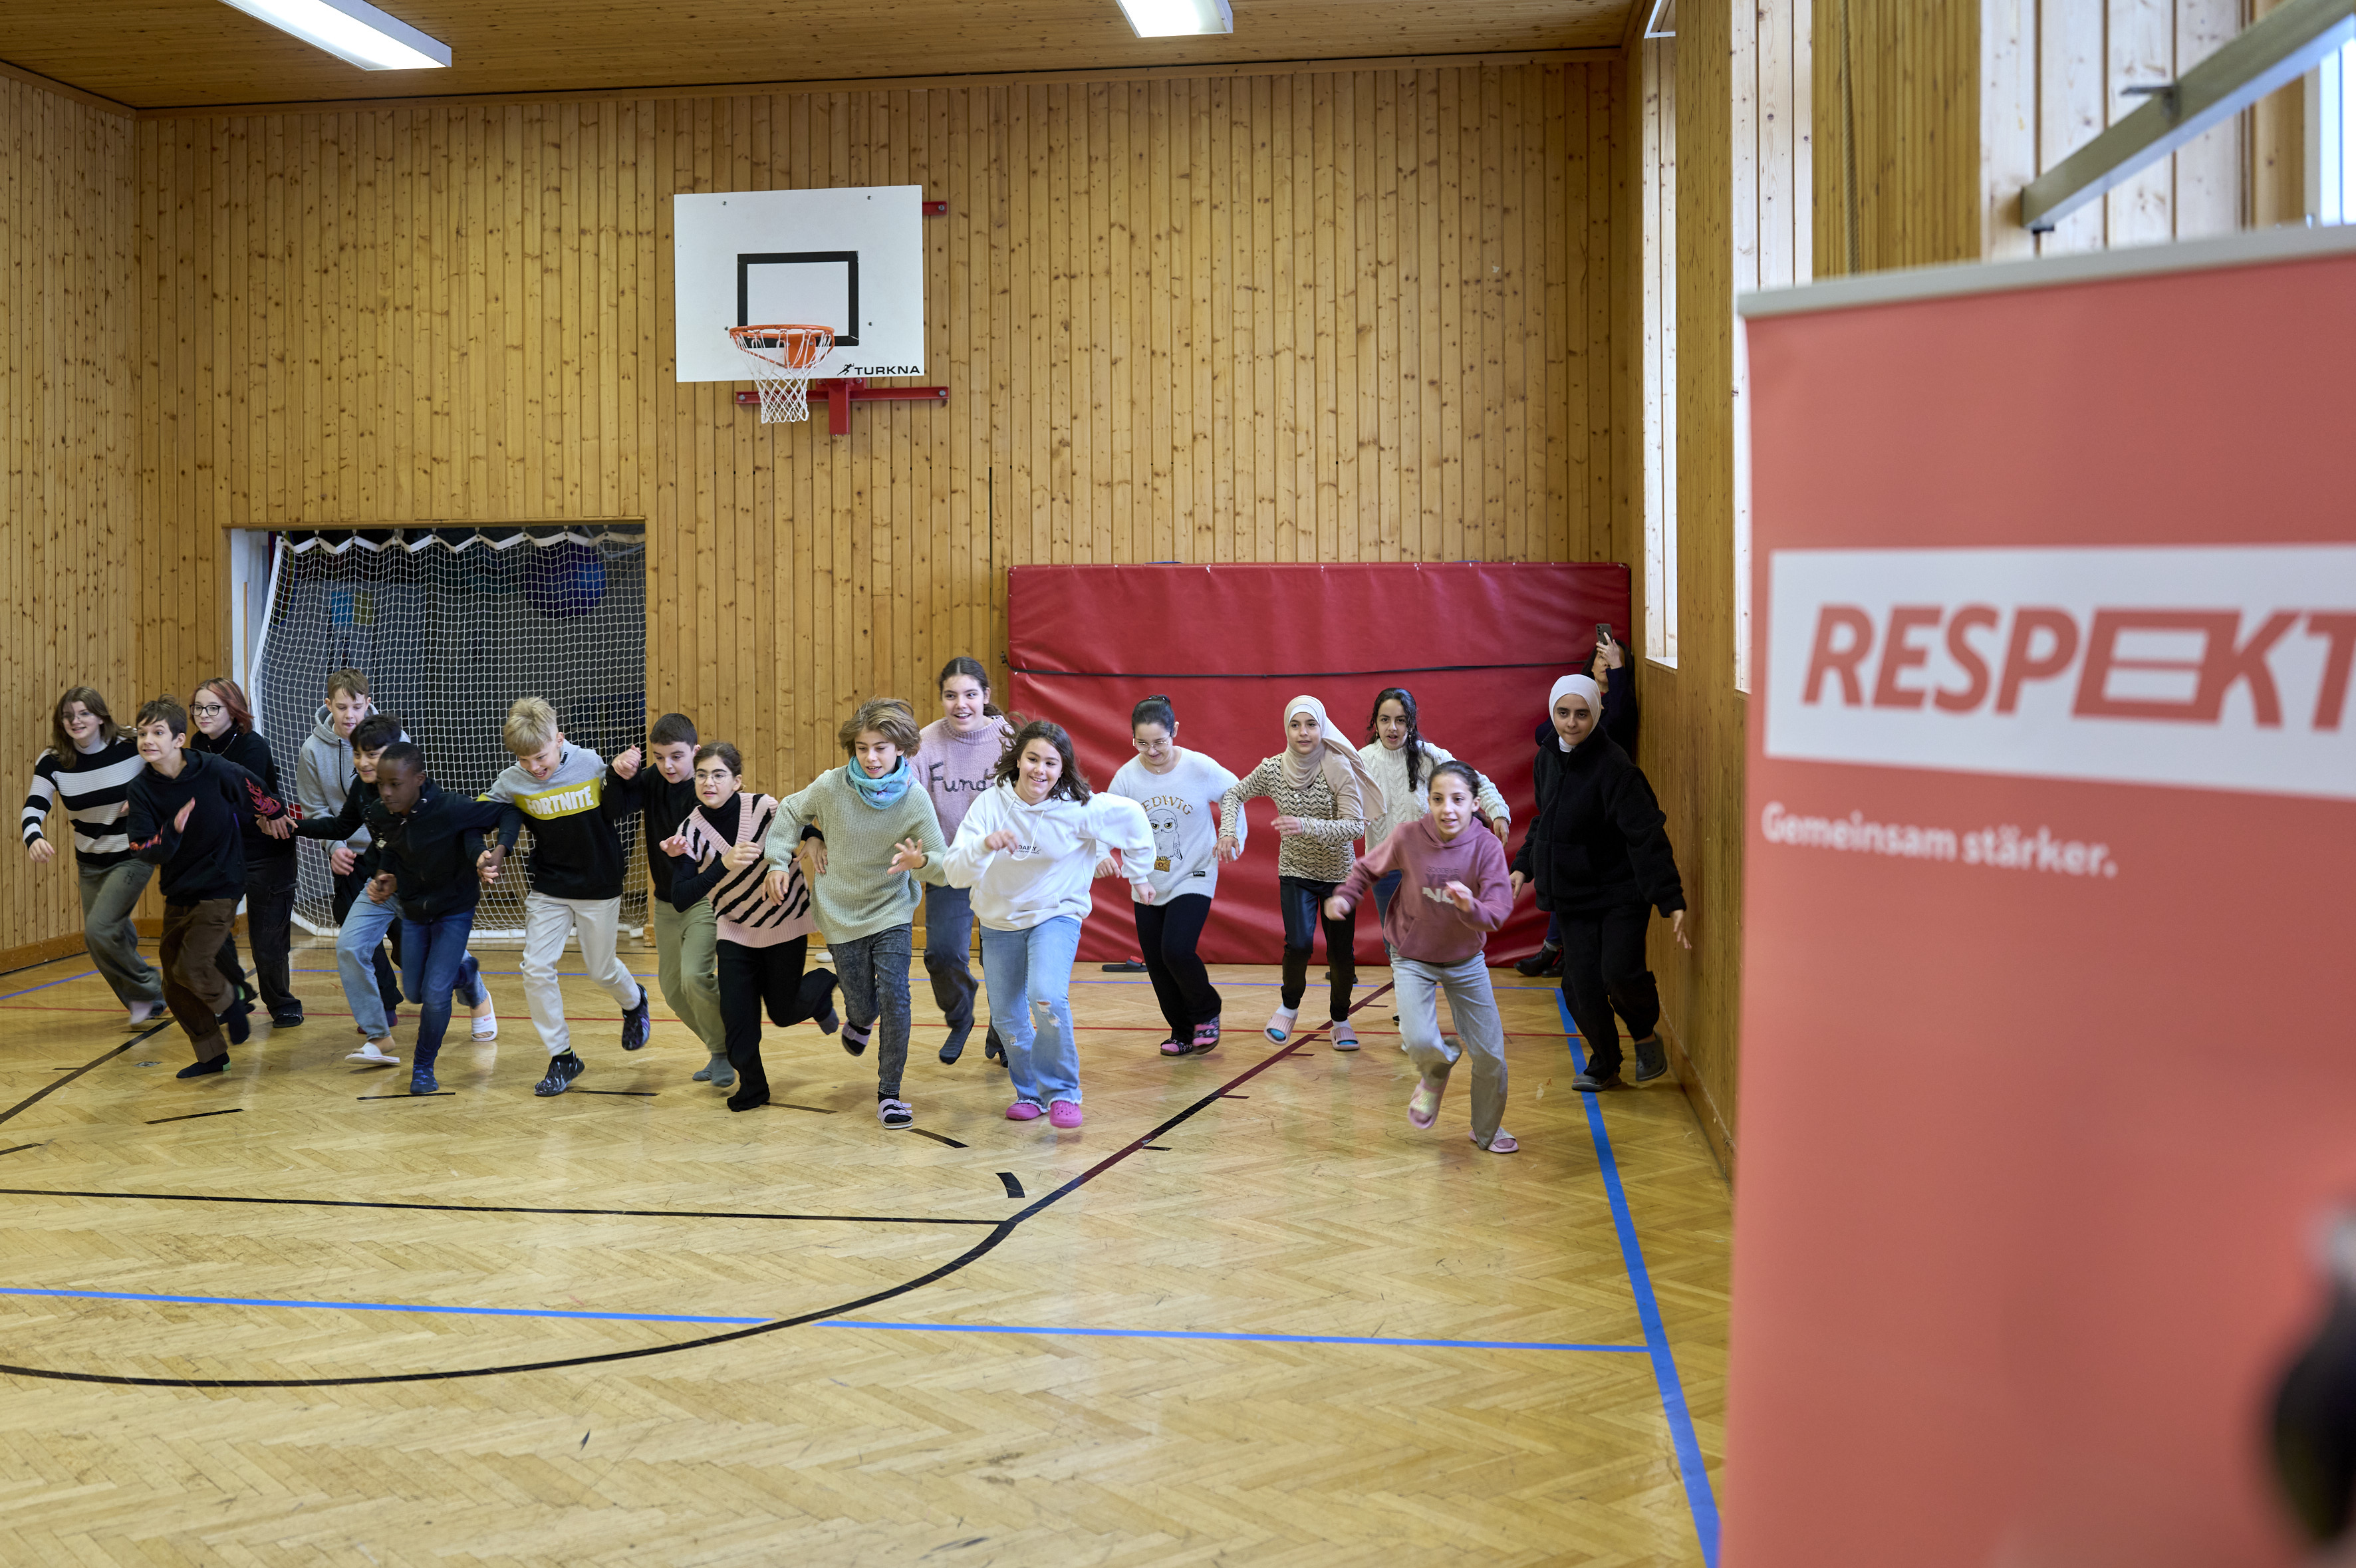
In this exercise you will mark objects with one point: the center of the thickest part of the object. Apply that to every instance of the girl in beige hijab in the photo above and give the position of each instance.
(1325, 797)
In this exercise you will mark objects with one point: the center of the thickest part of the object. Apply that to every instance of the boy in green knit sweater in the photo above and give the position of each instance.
(881, 838)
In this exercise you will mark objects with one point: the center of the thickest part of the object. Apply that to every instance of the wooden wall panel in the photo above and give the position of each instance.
(70, 563)
(1344, 315)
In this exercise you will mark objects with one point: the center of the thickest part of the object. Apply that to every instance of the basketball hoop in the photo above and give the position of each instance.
(782, 357)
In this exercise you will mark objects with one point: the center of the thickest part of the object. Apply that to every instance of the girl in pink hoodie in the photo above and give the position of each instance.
(1454, 892)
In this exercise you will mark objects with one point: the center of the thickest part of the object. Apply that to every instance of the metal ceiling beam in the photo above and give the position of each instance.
(2276, 49)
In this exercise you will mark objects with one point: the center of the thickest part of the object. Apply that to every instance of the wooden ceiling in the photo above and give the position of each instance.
(155, 54)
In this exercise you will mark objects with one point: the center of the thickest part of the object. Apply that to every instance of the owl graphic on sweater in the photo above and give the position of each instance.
(1163, 820)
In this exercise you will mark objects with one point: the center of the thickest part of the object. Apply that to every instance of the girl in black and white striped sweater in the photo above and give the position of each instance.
(86, 773)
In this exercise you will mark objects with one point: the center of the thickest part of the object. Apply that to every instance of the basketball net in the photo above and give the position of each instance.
(782, 357)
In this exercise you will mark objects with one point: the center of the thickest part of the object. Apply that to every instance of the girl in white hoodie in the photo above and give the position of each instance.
(1029, 848)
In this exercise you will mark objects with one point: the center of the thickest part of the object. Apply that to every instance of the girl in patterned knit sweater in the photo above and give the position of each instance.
(1324, 797)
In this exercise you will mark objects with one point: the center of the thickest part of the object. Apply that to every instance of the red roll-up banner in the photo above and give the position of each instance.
(2048, 1086)
(1478, 644)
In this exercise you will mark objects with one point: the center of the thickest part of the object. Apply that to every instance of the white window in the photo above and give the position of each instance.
(2331, 139)
(1660, 291)
(1774, 200)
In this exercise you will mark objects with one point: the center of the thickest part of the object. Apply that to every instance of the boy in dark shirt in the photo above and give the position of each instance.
(424, 846)
(371, 985)
(686, 941)
(187, 814)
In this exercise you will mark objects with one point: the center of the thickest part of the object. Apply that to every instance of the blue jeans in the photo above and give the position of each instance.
(1029, 975)
(359, 942)
(433, 962)
(1387, 887)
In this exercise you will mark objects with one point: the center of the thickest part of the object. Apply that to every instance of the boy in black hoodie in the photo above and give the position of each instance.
(425, 842)
(370, 987)
(186, 813)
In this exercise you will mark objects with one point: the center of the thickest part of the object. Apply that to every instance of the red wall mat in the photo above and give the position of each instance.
(1479, 644)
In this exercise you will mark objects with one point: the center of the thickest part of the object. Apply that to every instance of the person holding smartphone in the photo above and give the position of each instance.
(1612, 668)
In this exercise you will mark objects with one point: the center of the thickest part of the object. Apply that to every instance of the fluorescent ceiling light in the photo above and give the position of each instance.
(353, 30)
(1174, 18)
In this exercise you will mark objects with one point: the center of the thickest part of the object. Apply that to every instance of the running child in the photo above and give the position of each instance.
(1323, 796)
(1029, 849)
(956, 755)
(763, 943)
(1179, 790)
(224, 727)
(186, 810)
(568, 794)
(86, 773)
(324, 771)
(1401, 761)
(424, 843)
(1455, 891)
(882, 839)
(687, 960)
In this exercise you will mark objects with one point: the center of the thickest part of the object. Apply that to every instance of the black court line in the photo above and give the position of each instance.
(1235, 1097)
(20, 1148)
(100, 1061)
(1164, 1148)
(936, 1137)
(999, 1231)
(191, 1116)
(429, 1094)
(639, 1093)
(788, 1105)
(42, 964)
(481, 1208)
(1014, 1187)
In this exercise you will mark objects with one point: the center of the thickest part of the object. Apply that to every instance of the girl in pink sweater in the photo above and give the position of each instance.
(1453, 891)
(957, 754)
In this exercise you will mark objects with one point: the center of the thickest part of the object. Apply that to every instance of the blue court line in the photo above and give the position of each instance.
(377, 1306)
(1258, 1338)
(91, 975)
(1695, 1473)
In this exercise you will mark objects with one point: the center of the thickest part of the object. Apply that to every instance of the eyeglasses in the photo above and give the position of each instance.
(1151, 745)
(209, 708)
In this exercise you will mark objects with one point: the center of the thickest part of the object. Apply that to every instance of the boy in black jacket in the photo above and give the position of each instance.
(370, 986)
(687, 962)
(186, 816)
(422, 849)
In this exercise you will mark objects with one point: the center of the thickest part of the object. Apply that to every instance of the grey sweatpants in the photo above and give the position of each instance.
(1478, 1030)
(108, 897)
(873, 973)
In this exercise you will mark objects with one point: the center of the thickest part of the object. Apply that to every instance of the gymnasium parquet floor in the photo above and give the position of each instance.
(790, 1336)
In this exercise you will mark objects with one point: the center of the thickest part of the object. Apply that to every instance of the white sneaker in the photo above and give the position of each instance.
(486, 1027)
(143, 1013)
(373, 1054)
(1279, 1024)
(1344, 1037)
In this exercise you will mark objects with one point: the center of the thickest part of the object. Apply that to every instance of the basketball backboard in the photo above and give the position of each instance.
(852, 260)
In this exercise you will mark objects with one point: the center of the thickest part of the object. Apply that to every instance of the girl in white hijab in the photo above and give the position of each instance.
(1324, 797)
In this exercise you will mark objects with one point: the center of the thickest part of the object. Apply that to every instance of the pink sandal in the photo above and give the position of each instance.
(1423, 1109)
(1503, 1143)
(1174, 1047)
(1023, 1110)
(1064, 1114)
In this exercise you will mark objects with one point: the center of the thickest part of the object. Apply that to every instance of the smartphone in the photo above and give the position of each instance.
(1603, 631)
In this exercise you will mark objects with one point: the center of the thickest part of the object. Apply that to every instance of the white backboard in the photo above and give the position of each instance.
(815, 257)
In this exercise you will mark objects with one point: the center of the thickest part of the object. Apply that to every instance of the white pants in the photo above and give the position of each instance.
(547, 922)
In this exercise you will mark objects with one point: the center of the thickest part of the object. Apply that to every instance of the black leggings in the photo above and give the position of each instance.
(770, 978)
(269, 913)
(1166, 935)
(1603, 969)
(1302, 903)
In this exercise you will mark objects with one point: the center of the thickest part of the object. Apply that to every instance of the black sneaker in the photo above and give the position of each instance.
(854, 1039)
(1595, 1079)
(288, 1018)
(562, 1069)
(1651, 1059)
(1547, 961)
(234, 1021)
(895, 1113)
(993, 1047)
(636, 1024)
(205, 1068)
(954, 1047)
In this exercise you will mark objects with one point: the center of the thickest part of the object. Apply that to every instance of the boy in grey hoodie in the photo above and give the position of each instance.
(324, 771)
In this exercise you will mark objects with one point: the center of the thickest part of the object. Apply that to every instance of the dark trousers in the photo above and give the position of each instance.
(1166, 936)
(193, 988)
(757, 980)
(1603, 970)
(436, 965)
(349, 886)
(268, 919)
(948, 955)
(1301, 903)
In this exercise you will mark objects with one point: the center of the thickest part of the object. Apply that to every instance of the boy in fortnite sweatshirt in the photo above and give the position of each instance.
(567, 794)
(186, 813)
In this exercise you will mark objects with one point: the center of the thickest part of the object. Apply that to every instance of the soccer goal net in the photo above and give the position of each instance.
(451, 627)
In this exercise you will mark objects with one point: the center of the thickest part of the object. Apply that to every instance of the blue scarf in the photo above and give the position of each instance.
(881, 793)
